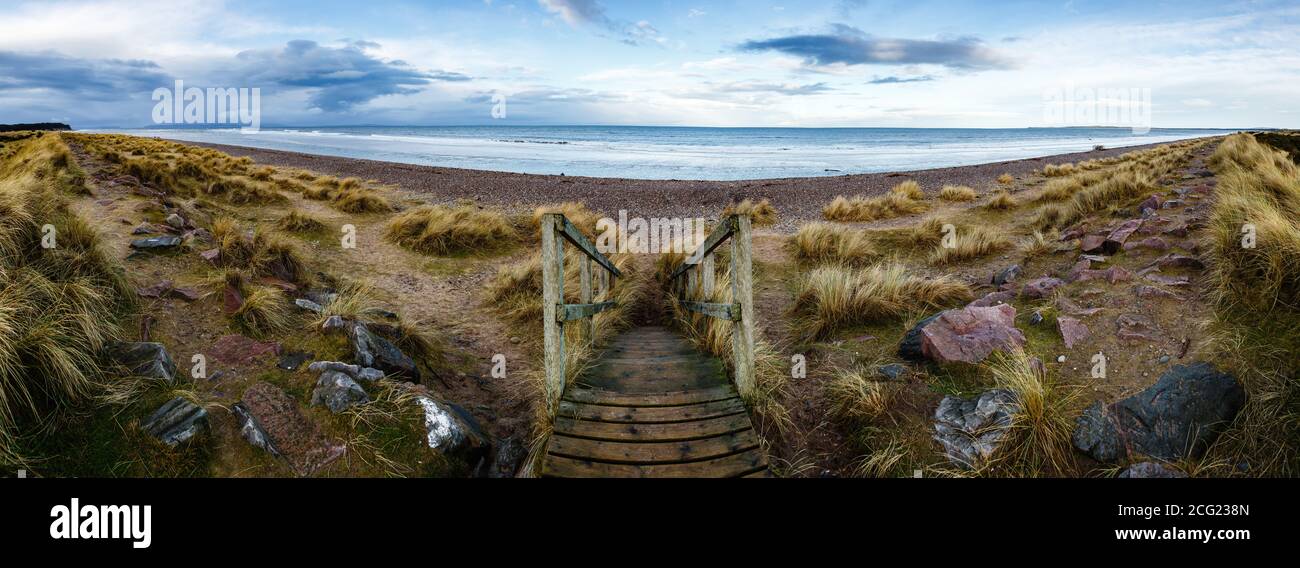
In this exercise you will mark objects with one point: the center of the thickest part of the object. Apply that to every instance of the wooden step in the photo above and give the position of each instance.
(646, 453)
(651, 414)
(669, 432)
(674, 398)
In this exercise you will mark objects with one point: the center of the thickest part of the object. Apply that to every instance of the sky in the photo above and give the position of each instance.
(782, 63)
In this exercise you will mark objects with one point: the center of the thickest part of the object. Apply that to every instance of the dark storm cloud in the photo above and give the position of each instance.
(851, 46)
(340, 78)
(87, 79)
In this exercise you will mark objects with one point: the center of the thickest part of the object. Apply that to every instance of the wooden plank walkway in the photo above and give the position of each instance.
(653, 406)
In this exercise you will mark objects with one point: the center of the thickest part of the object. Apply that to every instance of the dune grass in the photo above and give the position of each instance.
(58, 306)
(827, 242)
(443, 231)
(1001, 201)
(957, 193)
(761, 213)
(971, 243)
(1039, 441)
(1006, 179)
(830, 298)
(1255, 294)
(263, 253)
(860, 395)
(1058, 170)
(904, 199)
(298, 222)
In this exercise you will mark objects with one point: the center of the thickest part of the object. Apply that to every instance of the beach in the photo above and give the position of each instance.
(799, 200)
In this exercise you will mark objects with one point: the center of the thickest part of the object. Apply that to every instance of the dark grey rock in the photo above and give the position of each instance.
(251, 430)
(971, 430)
(1036, 318)
(338, 392)
(291, 360)
(893, 371)
(354, 371)
(1008, 274)
(1150, 470)
(309, 305)
(452, 430)
(910, 347)
(169, 241)
(176, 422)
(142, 359)
(370, 350)
(509, 455)
(1176, 418)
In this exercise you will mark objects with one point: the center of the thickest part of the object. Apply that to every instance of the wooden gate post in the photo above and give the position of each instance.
(742, 292)
(692, 280)
(552, 297)
(706, 281)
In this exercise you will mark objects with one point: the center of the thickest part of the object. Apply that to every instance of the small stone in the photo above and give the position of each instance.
(211, 255)
(893, 371)
(175, 221)
(338, 392)
(1041, 287)
(1164, 359)
(309, 305)
(1008, 274)
(240, 350)
(176, 421)
(156, 243)
(1060, 359)
(1072, 330)
(1036, 318)
(514, 340)
(291, 360)
(149, 360)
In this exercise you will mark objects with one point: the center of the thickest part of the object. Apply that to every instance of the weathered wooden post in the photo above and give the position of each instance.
(742, 292)
(588, 324)
(692, 282)
(552, 298)
(706, 280)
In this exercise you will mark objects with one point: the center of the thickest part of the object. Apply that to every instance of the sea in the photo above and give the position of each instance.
(684, 153)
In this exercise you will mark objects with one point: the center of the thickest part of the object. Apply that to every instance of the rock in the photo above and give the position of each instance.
(970, 334)
(338, 392)
(187, 294)
(1132, 326)
(1172, 203)
(240, 350)
(157, 290)
(291, 360)
(1150, 470)
(270, 419)
(176, 421)
(893, 371)
(153, 243)
(1036, 317)
(1155, 243)
(211, 256)
(1072, 330)
(370, 350)
(1112, 275)
(147, 228)
(452, 430)
(354, 371)
(148, 360)
(909, 349)
(1092, 243)
(993, 299)
(1164, 359)
(1174, 419)
(1153, 292)
(309, 305)
(1116, 239)
(507, 458)
(175, 221)
(283, 285)
(970, 430)
(198, 235)
(1040, 287)
(1008, 274)
(231, 299)
(333, 323)
(1150, 205)
(1179, 261)
(1082, 266)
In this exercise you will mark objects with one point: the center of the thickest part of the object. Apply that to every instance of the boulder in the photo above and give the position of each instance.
(451, 430)
(1072, 330)
(970, 334)
(1150, 470)
(909, 349)
(1040, 287)
(970, 430)
(154, 243)
(1174, 419)
(338, 392)
(994, 298)
(148, 360)
(1008, 274)
(176, 421)
(270, 419)
(370, 350)
(1092, 243)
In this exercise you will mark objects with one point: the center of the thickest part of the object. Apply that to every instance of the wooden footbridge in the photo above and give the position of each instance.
(651, 405)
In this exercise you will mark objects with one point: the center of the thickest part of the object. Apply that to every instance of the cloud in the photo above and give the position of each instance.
(578, 13)
(893, 80)
(87, 79)
(340, 78)
(847, 45)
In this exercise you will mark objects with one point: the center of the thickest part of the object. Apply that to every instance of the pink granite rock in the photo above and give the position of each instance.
(970, 334)
(1072, 330)
(1040, 287)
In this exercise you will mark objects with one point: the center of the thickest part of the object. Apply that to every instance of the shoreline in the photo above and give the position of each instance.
(797, 200)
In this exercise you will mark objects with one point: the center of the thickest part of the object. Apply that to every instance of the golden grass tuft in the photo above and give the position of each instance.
(866, 209)
(830, 298)
(957, 193)
(356, 199)
(826, 242)
(298, 222)
(1006, 179)
(441, 230)
(860, 395)
(265, 312)
(1039, 441)
(1058, 170)
(1001, 201)
(971, 243)
(761, 214)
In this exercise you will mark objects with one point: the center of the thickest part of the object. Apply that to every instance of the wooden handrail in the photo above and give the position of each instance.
(556, 229)
(740, 312)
